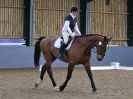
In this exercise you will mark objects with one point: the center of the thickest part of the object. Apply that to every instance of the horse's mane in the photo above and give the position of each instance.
(86, 35)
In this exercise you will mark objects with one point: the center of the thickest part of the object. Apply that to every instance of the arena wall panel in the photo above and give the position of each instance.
(22, 57)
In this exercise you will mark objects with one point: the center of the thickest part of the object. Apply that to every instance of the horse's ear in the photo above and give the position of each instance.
(110, 38)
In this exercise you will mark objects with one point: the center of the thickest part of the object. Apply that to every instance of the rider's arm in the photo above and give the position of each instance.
(66, 24)
(77, 29)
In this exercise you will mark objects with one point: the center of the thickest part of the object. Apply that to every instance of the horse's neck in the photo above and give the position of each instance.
(92, 42)
(89, 42)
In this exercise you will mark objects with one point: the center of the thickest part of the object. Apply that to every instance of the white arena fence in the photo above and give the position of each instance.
(112, 67)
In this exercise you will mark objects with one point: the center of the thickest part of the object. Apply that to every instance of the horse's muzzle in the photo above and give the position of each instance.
(100, 57)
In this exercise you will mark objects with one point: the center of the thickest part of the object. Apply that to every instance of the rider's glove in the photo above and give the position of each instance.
(73, 35)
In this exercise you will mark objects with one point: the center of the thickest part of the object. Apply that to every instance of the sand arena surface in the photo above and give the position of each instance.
(111, 84)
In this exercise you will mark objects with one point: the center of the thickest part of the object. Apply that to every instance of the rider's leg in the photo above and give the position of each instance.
(63, 45)
(65, 37)
(62, 48)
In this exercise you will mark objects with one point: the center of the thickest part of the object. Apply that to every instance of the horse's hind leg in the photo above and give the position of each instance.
(43, 70)
(49, 61)
(69, 74)
(47, 67)
(50, 73)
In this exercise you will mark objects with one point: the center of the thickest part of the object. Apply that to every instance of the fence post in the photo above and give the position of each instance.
(28, 21)
(87, 18)
(83, 16)
(130, 22)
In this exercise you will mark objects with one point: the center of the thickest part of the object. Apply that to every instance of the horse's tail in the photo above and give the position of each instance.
(37, 51)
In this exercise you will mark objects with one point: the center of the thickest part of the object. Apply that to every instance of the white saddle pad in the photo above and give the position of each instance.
(57, 43)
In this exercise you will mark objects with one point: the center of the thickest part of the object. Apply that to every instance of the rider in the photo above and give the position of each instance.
(70, 28)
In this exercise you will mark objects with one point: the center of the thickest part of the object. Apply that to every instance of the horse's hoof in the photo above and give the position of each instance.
(94, 92)
(57, 88)
(38, 83)
(61, 88)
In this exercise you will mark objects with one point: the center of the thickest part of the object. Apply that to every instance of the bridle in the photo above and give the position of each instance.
(94, 49)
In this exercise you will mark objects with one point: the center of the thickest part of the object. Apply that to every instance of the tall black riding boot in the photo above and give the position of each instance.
(62, 48)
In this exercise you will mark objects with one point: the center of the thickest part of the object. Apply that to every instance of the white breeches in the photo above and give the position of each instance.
(66, 36)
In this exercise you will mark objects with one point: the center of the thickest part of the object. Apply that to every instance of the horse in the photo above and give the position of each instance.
(79, 53)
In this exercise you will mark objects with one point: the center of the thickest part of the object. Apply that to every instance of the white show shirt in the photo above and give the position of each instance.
(66, 27)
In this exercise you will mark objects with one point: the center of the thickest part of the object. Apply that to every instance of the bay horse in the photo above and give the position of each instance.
(79, 53)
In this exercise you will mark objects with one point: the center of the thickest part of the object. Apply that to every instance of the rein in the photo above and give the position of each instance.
(94, 50)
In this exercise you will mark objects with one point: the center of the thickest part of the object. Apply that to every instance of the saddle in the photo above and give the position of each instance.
(59, 42)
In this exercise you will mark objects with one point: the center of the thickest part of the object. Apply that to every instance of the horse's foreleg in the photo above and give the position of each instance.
(43, 70)
(69, 74)
(88, 70)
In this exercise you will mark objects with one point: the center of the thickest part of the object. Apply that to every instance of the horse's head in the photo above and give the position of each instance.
(101, 46)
